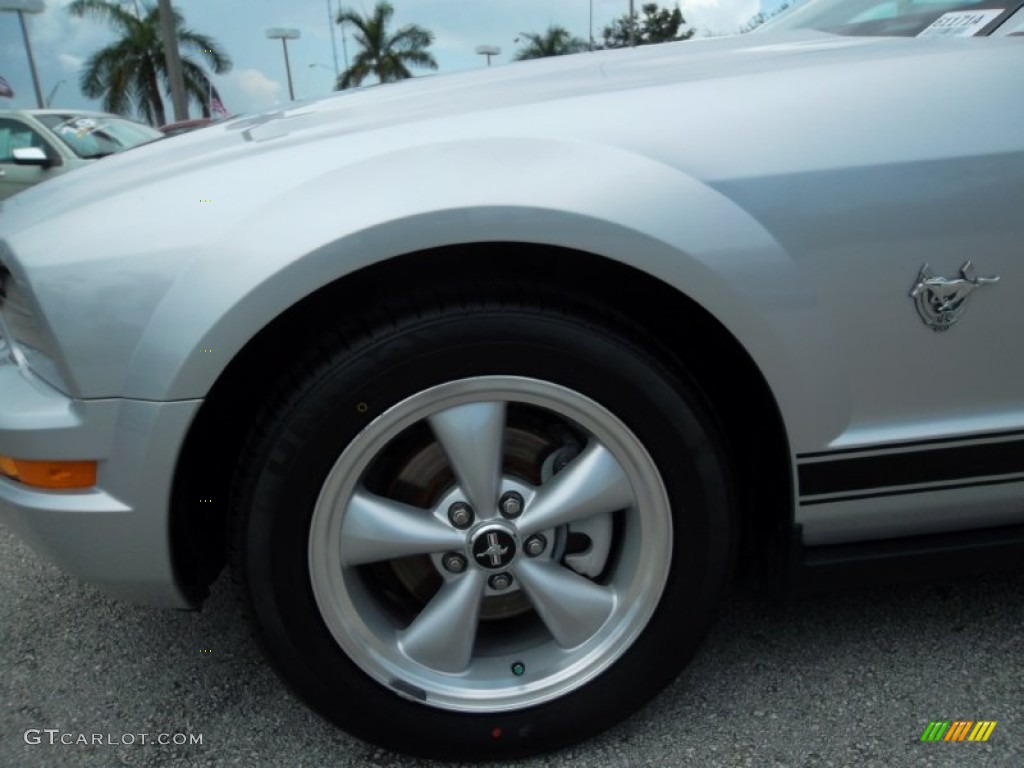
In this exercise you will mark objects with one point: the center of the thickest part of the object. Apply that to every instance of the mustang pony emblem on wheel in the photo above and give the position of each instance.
(494, 556)
(940, 300)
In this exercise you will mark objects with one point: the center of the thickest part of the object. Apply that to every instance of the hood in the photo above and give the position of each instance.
(430, 98)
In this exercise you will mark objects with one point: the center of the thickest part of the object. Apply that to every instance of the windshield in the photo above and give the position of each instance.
(903, 18)
(91, 137)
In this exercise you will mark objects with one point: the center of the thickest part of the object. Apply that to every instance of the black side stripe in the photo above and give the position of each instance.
(938, 465)
(906, 491)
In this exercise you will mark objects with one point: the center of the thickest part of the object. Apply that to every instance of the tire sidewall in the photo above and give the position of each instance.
(310, 429)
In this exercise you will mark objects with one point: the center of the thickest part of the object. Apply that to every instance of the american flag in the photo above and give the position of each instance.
(5, 89)
(216, 105)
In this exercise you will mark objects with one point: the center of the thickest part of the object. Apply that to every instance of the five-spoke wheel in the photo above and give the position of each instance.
(484, 532)
(529, 582)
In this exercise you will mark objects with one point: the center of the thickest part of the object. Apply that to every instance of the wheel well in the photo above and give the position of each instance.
(699, 344)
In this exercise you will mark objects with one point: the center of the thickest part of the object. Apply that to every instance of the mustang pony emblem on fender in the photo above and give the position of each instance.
(940, 300)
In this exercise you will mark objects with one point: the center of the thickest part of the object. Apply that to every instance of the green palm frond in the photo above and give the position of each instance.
(383, 55)
(555, 41)
(112, 13)
(217, 60)
(130, 73)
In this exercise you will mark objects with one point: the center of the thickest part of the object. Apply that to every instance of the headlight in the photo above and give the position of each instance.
(22, 339)
(16, 311)
(8, 346)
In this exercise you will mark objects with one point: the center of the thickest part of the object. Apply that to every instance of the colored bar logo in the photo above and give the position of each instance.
(958, 730)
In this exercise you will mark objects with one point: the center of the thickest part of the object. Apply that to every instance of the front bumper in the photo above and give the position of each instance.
(117, 534)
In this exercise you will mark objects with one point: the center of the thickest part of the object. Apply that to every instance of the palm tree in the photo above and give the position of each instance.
(556, 41)
(128, 73)
(384, 55)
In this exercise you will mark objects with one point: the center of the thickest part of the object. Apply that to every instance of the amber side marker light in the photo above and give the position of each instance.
(50, 474)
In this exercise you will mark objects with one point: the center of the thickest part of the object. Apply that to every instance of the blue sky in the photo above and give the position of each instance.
(61, 43)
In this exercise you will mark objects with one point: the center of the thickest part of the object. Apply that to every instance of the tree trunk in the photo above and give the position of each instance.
(172, 61)
(154, 97)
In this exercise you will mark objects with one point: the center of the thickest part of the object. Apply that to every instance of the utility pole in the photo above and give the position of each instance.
(344, 44)
(334, 41)
(591, 24)
(632, 25)
(174, 71)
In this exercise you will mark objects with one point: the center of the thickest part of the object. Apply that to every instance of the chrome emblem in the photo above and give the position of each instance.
(940, 300)
(494, 548)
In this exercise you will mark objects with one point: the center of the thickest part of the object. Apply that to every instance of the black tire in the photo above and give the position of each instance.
(345, 381)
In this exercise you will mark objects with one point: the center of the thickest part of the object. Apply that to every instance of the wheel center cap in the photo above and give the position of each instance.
(493, 547)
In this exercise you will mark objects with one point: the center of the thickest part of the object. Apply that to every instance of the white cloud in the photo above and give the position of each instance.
(719, 17)
(70, 62)
(58, 29)
(250, 88)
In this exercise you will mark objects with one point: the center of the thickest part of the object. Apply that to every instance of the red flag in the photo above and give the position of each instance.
(5, 89)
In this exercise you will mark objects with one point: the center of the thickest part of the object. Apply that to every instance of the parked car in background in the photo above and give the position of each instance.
(486, 384)
(184, 126)
(38, 144)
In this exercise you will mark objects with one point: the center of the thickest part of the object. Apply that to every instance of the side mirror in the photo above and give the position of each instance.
(31, 156)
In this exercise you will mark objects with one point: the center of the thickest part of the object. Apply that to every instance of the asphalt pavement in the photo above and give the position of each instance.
(847, 679)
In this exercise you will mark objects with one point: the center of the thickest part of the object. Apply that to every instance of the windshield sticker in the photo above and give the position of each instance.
(77, 127)
(961, 23)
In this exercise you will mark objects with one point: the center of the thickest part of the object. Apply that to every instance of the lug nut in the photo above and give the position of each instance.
(460, 514)
(454, 562)
(535, 545)
(500, 581)
(511, 505)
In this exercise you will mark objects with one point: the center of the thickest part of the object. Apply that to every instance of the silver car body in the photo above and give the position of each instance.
(793, 184)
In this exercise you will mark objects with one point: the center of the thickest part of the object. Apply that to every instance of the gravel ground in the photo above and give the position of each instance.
(848, 679)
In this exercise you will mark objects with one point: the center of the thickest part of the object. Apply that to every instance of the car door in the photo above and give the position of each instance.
(913, 241)
(15, 134)
(893, 178)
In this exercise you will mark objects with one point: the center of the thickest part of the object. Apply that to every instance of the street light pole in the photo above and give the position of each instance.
(49, 99)
(488, 51)
(31, 61)
(288, 68)
(284, 35)
(173, 58)
(22, 7)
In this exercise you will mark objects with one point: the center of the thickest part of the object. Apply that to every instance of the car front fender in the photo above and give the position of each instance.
(635, 210)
